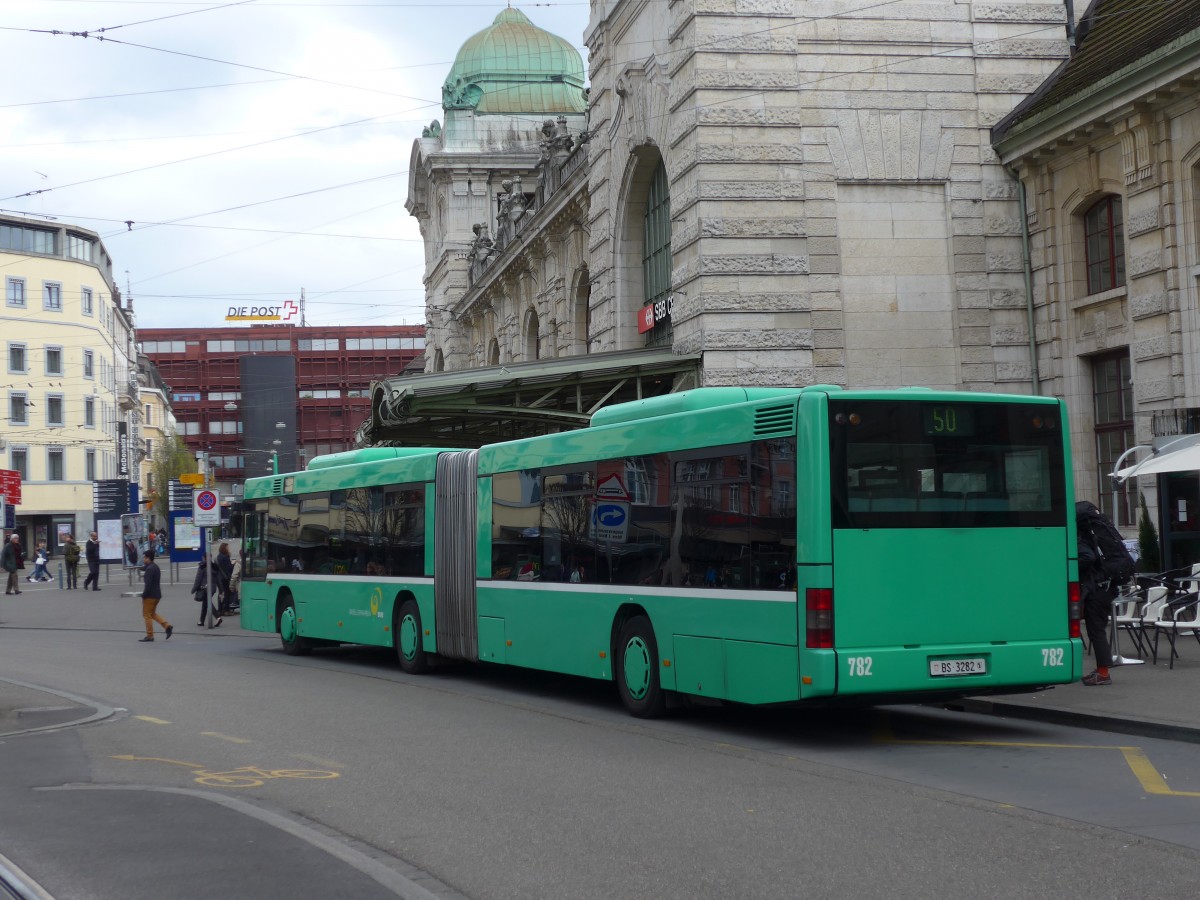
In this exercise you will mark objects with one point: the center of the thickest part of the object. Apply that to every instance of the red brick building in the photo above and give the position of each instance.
(244, 394)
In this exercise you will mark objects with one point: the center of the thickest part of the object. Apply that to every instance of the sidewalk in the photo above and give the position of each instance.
(1148, 701)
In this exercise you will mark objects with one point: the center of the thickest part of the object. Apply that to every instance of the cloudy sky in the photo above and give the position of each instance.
(257, 147)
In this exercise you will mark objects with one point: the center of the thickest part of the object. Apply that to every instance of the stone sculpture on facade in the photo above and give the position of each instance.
(481, 251)
(432, 130)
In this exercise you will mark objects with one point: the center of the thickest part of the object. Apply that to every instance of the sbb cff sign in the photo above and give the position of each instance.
(653, 313)
(283, 313)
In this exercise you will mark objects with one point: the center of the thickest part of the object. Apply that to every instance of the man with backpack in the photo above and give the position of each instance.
(1104, 565)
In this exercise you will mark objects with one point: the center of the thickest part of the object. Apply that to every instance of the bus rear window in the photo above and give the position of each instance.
(906, 464)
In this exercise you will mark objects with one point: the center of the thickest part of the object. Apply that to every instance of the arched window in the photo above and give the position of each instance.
(1104, 230)
(493, 357)
(656, 254)
(533, 343)
(439, 362)
(583, 310)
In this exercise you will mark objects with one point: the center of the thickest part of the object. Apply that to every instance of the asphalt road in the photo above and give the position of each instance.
(229, 769)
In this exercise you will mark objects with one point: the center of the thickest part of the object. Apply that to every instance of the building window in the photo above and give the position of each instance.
(16, 291)
(89, 364)
(27, 240)
(55, 463)
(149, 449)
(16, 359)
(247, 346)
(54, 410)
(89, 465)
(147, 420)
(533, 337)
(89, 412)
(19, 462)
(85, 300)
(374, 343)
(79, 247)
(18, 413)
(52, 296)
(656, 254)
(1112, 391)
(1105, 236)
(54, 361)
(149, 347)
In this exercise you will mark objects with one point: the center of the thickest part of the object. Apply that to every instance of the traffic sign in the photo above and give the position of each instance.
(10, 486)
(180, 497)
(612, 488)
(206, 508)
(191, 478)
(610, 522)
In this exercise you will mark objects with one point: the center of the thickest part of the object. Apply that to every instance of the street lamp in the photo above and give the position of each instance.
(275, 456)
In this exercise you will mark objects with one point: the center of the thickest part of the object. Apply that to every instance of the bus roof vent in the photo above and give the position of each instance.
(775, 420)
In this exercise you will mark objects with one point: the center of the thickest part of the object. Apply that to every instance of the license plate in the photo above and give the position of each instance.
(976, 666)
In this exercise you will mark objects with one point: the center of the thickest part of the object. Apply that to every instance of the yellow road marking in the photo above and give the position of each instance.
(1137, 760)
(153, 720)
(1152, 782)
(226, 737)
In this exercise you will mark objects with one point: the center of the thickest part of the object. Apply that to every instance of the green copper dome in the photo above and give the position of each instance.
(512, 66)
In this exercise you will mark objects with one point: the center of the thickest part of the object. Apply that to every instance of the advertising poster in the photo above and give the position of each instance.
(135, 539)
(110, 539)
(187, 535)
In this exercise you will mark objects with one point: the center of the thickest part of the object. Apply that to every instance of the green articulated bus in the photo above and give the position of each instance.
(749, 545)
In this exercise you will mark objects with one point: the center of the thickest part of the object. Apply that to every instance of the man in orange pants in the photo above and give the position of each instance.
(151, 594)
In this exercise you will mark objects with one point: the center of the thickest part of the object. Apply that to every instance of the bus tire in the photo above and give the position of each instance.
(293, 644)
(409, 650)
(637, 669)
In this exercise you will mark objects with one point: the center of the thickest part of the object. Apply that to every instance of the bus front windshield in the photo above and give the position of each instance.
(953, 464)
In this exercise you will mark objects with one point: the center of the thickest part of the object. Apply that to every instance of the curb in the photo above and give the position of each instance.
(1148, 728)
(98, 710)
(18, 884)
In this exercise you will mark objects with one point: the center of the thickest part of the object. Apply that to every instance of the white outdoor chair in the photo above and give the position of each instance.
(1157, 598)
(1180, 617)
(1129, 611)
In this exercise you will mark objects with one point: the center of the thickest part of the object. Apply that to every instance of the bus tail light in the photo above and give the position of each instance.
(818, 608)
(1074, 609)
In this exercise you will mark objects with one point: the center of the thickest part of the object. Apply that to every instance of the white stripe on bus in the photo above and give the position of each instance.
(568, 587)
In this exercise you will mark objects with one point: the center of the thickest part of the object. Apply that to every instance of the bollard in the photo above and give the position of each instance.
(60, 576)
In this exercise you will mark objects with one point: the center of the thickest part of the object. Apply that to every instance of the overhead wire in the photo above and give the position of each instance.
(775, 28)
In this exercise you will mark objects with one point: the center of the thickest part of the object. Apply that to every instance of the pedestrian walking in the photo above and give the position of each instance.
(200, 593)
(71, 554)
(91, 552)
(41, 559)
(13, 561)
(224, 564)
(151, 594)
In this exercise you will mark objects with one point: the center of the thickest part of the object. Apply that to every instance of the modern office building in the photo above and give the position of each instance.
(70, 391)
(248, 394)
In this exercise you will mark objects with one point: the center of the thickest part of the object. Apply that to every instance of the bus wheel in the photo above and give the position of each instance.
(293, 644)
(637, 669)
(409, 653)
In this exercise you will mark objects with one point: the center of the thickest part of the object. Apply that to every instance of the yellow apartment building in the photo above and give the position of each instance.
(68, 386)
